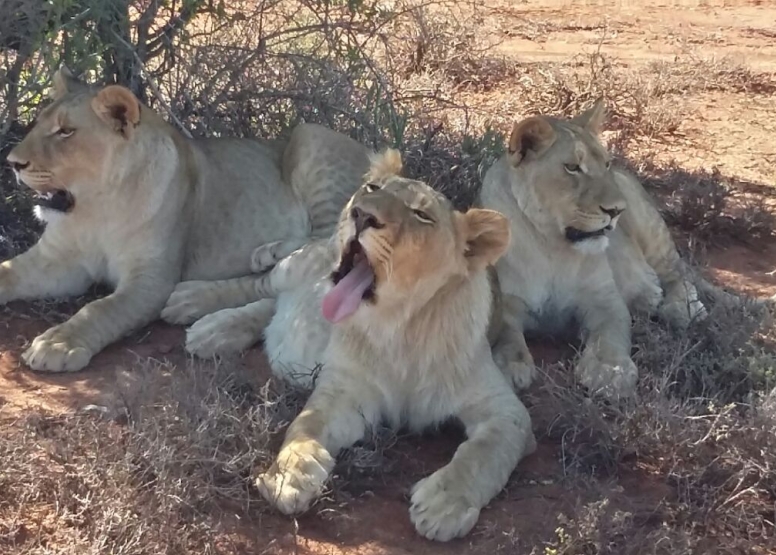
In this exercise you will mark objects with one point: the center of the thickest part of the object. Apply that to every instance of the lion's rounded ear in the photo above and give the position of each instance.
(64, 82)
(593, 118)
(487, 235)
(530, 138)
(384, 164)
(118, 107)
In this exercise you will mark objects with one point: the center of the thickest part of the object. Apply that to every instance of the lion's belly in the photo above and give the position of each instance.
(297, 336)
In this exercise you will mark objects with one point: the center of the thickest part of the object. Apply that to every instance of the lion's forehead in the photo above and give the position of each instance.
(580, 142)
(415, 193)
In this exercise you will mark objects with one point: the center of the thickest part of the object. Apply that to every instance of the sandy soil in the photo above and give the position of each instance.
(732, 131)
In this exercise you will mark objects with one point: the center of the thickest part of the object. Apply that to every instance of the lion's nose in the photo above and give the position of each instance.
(364, 219)
(612, 212)
(17, 163)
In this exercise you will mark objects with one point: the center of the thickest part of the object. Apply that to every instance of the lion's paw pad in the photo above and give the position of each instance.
(48, 354)
(222, 333)
(610, 379)
(293, 485)
(438, 512)
(187, 303)
(516, 365)
(265, 257)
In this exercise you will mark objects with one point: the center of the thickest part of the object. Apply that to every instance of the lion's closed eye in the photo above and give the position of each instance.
(572, 168)
(423, 216)
(64, 132)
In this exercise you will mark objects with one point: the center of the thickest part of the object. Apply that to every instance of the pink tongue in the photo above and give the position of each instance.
(344, 298)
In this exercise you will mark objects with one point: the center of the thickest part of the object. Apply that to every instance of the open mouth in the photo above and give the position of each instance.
(59, 200)
(576, 235)
(354, 282)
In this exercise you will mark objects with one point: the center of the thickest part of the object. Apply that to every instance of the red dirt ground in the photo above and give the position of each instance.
(376, 520)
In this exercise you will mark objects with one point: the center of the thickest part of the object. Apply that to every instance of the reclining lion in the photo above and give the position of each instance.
(131, 202)
(589, 245)
(396, 308)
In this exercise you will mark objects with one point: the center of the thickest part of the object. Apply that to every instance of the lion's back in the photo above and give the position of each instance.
(237, 202)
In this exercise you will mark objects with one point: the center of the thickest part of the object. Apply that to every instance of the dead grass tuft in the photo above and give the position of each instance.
(147, 474)
(707, 206)
(701, 428)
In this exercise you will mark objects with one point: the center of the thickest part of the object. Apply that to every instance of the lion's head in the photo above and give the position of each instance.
(64, 154)
(400, 242)
(563, 179)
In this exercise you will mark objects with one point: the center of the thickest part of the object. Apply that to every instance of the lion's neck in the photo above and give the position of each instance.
(443, 333)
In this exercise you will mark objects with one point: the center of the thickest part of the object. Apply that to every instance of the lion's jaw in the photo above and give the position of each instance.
(354, 282)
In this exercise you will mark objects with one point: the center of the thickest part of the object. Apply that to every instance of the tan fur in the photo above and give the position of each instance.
(153, 208)
(557, 176)
(416, 355)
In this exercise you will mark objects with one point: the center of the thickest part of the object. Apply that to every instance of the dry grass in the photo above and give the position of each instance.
(148, 474)
(700, 430)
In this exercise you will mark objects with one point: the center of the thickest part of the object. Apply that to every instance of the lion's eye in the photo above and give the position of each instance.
(572, 168)
(608, 165)
(64, 132)
(372, 187)
(423, 217)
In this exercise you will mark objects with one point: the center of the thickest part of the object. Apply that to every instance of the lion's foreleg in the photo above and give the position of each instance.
(510, 351)
(605, 365)
(230, 331)
(447, 504)
(69, 346)
(333, 418)
(42, 272)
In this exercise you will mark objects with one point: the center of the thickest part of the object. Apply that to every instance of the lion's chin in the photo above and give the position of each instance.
(592, 245)
(578, 236)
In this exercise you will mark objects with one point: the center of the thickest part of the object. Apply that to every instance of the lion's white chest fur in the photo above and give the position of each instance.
(420, 369)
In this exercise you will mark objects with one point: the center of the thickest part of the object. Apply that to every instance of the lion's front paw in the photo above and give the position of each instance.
(439, 510)
(612, 379)
(296, 478)
(188, 302)
(226, 332)
(50, 352)
(265, 257)
(518, 367)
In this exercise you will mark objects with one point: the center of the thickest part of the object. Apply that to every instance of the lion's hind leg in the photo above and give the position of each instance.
(191, 300)
(324, 169)
(681, 305)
